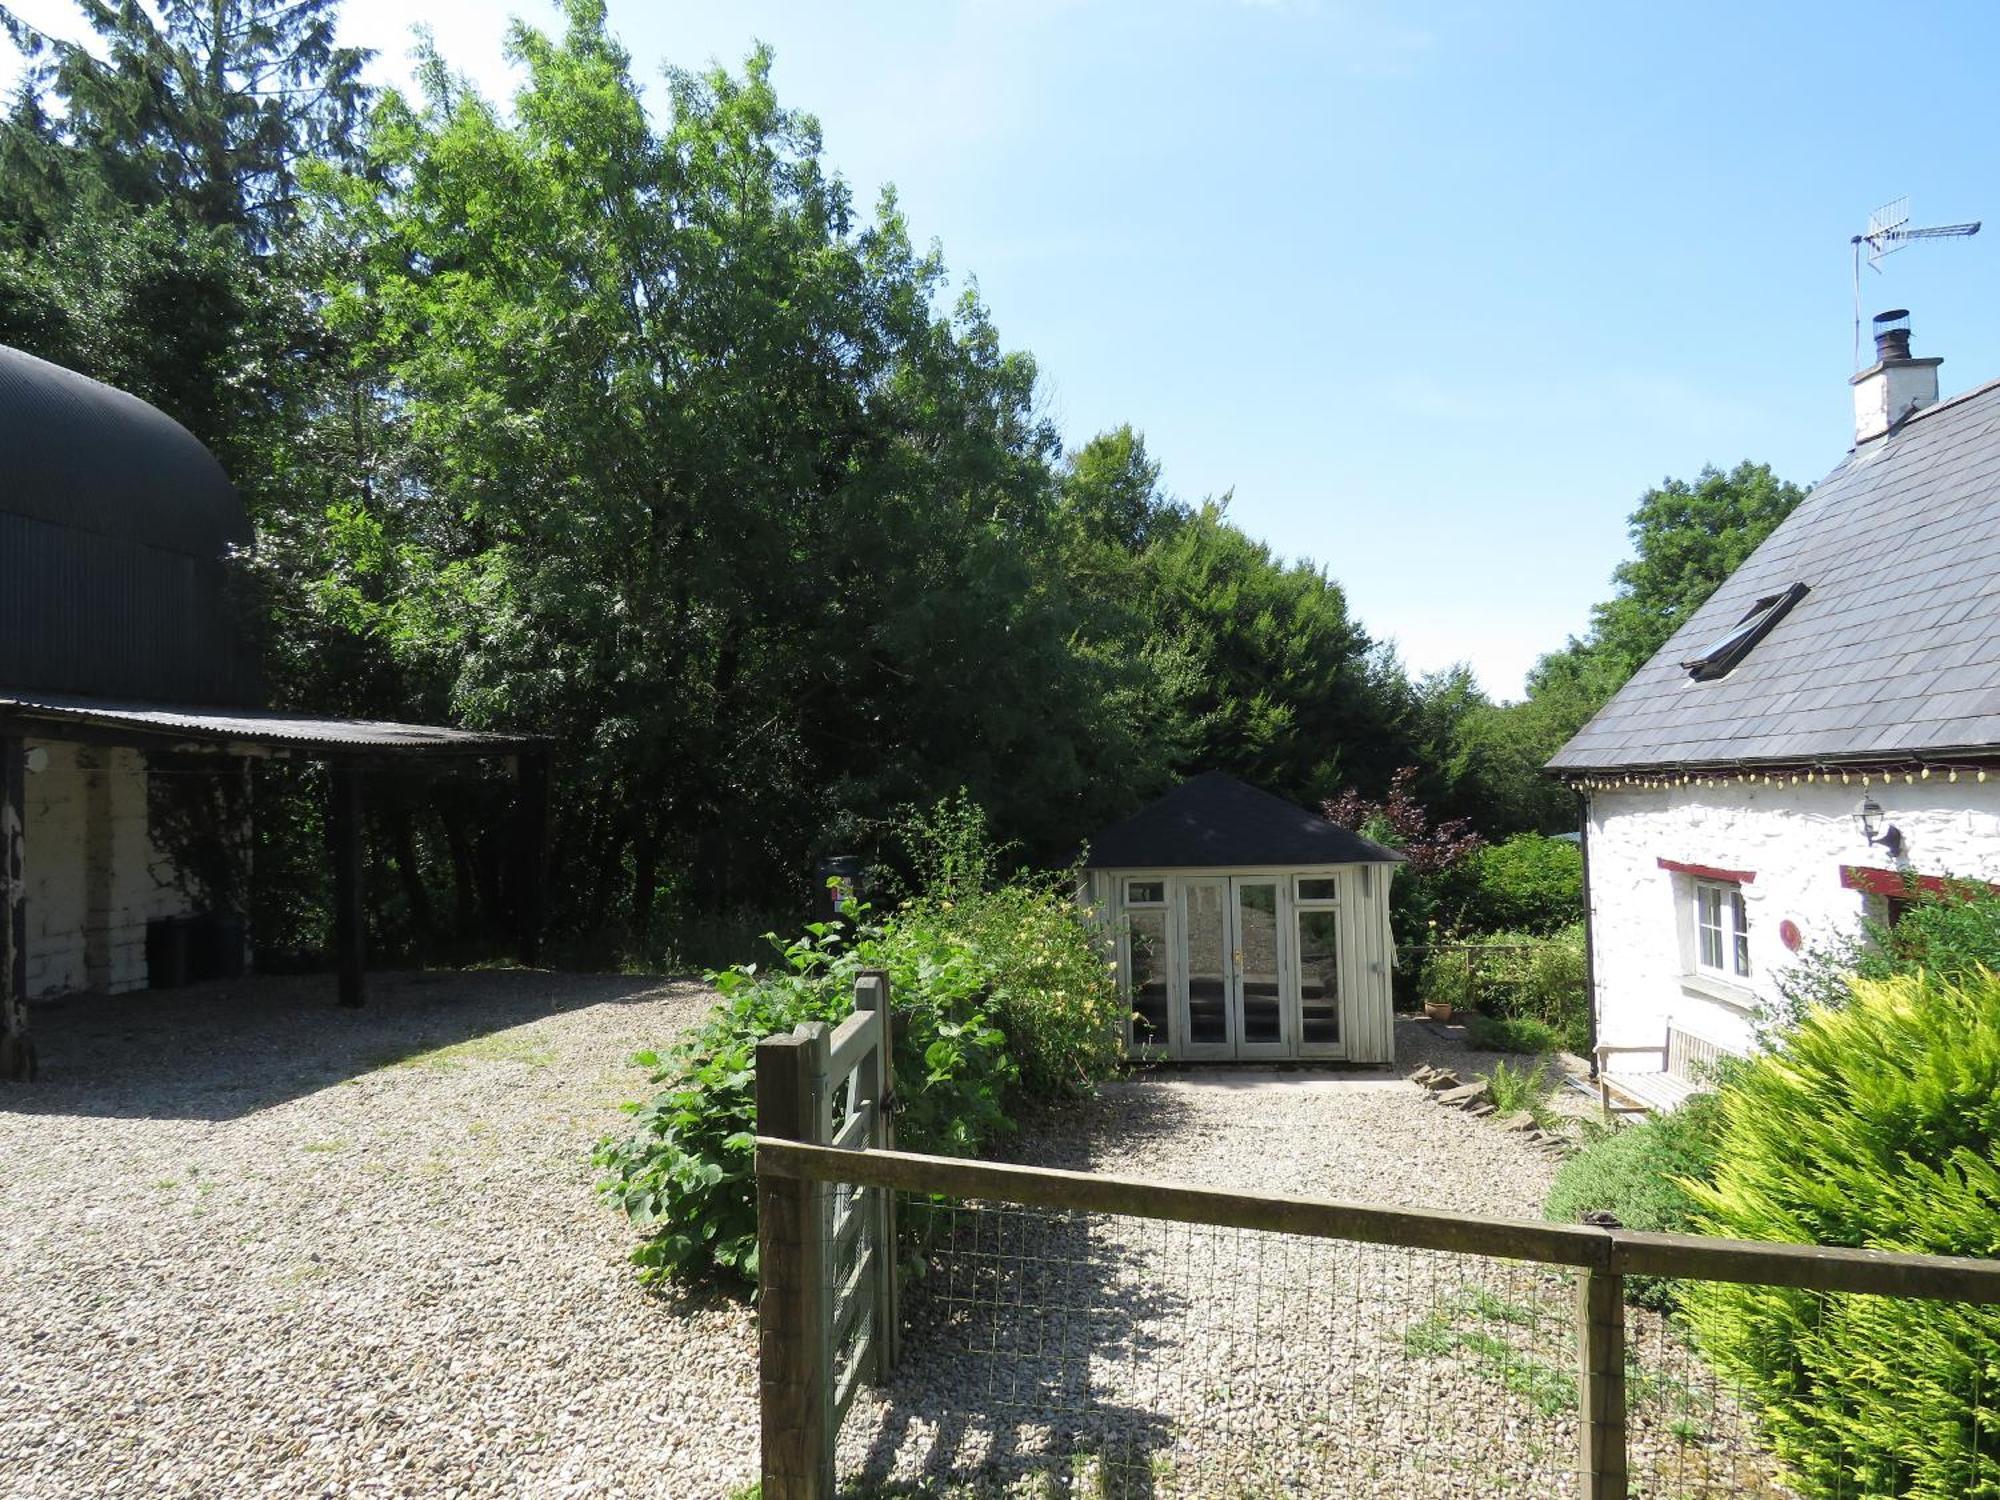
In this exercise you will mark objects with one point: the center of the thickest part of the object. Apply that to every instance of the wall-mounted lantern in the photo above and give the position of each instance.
(1868, 818)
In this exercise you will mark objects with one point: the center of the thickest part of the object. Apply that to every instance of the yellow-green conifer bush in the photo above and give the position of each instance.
(1874, 1124)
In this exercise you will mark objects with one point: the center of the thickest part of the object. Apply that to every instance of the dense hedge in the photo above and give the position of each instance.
(1004, 996)
(1526, 884)
(1641, 1172)
(1872, 1124)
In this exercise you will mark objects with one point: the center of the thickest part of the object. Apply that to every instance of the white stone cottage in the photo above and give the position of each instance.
(1824, 728)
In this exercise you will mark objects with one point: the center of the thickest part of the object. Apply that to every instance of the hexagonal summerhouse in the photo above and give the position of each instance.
(1248, 929)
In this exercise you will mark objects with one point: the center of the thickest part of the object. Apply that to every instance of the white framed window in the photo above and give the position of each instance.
(1721, 930)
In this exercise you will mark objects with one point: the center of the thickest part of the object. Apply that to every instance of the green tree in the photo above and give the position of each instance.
(210, 107)
(1283, 688)
(702, 481)
(1687, 538)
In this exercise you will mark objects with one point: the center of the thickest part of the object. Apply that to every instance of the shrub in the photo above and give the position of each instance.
(1527, 884)
(1511, 1034)
(1522, 977)
(1044, 973)
(1447, 978)
(1640, 1173)
(1020, 963)
(1874, 1124)
(1950, 934)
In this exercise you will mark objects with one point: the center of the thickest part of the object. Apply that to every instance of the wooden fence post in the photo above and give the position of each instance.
(1600, 1323)
(878, 1086)
(795, 1375)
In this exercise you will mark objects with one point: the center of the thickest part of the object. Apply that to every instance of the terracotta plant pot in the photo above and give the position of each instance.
(1437, 1010)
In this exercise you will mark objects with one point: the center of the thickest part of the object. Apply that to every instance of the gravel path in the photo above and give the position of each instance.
(1083, 1354)
(251, 1244)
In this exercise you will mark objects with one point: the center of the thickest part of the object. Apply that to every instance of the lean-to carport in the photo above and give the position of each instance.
(351, 749)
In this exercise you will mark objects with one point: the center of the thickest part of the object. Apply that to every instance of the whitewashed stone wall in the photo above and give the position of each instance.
(1794, 839)
(94, 877)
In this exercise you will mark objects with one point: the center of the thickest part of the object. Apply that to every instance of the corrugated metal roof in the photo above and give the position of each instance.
(1214, 821)
(248, 728)
(84, 455)
(1895, 652)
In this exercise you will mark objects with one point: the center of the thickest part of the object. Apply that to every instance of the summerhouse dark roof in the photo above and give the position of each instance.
(82, 455)
(1215, 820)
(1892, 654)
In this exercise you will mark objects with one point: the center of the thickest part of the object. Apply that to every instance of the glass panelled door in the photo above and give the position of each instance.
(1320, 1030)
(1257, 998)
(1208, 1029)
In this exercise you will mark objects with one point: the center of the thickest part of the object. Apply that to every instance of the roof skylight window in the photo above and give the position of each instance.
(1722, 655)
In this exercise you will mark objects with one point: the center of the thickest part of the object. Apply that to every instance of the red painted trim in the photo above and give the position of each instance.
(1709, 872)
(1894, 883)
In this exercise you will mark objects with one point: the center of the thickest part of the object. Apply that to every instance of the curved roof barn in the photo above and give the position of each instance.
(115, 527)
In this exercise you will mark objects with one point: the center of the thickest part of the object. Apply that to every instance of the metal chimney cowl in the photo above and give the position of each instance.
(1896, 386)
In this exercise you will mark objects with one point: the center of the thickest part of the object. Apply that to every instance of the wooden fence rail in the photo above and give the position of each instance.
(1602, 1257)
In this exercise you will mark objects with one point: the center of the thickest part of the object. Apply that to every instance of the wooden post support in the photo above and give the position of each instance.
(531, 835)
(878, 1087)
(17, 1052)
(1600, 1321)
(795, 1364)
(350, 922)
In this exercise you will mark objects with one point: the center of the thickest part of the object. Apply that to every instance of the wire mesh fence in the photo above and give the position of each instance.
(1059, 1352)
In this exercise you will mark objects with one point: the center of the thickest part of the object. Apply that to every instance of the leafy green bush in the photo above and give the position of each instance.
(1518, 977)
(1638, 1172)
(1001, 996)
(1527, 884)
(1043, 971)
(1949, 934)
(1511, 1034)
(1873, 1124)
(1448, 979)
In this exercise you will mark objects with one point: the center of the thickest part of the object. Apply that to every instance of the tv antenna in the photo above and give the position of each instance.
(1889, 231)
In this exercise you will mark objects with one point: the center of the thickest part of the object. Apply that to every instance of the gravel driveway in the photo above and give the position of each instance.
(1057, 1353)
(251, 1244)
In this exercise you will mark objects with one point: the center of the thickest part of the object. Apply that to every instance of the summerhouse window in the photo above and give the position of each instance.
(1146, 936)
(1721, 929)
(1317, 913)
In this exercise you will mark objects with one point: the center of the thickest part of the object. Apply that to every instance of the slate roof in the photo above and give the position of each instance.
(1214, 820)
(1894, 654)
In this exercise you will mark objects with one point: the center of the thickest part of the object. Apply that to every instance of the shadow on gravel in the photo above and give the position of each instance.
(1010, 1331)
(223, 1050)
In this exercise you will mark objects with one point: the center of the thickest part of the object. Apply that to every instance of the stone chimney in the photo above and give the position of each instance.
(1896, 385)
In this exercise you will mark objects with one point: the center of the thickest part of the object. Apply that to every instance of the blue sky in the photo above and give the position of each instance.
(1437, 290)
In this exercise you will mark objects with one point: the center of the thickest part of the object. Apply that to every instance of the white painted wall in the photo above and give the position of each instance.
(1794, 839)
(94, 877)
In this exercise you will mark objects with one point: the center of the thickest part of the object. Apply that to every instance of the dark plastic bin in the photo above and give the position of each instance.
(218, 946)
(170, 943)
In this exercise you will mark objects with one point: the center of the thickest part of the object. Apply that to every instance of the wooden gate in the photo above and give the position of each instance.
(826, 1250)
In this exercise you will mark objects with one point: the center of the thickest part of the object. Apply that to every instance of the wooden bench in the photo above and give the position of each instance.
(1686, 1061)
